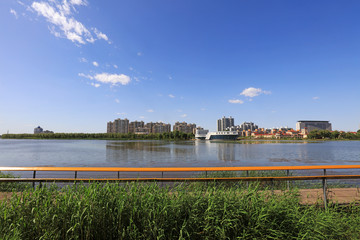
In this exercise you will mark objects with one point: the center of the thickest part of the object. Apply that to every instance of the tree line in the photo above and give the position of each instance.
(325, 134)
(176, 135)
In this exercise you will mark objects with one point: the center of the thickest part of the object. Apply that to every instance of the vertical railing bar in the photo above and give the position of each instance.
(288, 181)
(247, 175)
(34, 175)
(75, 176)
(325, 189)
(162, 176)
(118, 173)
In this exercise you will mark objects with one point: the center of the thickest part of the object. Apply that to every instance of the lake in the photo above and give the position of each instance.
(106, 153)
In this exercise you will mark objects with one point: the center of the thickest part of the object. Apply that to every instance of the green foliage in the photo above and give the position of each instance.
(11, 186)
(325, 134)
(116, 136)
(147, 211)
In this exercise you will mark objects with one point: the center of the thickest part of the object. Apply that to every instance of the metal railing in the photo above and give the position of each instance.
(324, 177)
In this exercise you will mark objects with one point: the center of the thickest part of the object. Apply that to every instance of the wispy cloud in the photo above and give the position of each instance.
(316, 98)
(86, 76)
(236, 101)
(170, 77)
(101, 35)
(84, 60)
(63, 24)
(253, 92)
(150, 110)
(184, 115)
(121, 113)
(115, 66)
(12, 11)
(141, 117)
(171, 96)
(139, 54)
(117, 100)
(95, 85)
(113, 79)
(95, 64)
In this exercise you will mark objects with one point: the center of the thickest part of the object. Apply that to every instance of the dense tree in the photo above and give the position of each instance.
(325, 134)
(120, 136)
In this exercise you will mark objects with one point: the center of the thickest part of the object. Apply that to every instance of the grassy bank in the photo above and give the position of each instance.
(147, 211)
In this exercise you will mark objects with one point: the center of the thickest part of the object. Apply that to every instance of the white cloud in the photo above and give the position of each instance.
(141, 117)
(115, 66)
(78, 2)
(170, 95)
(95, 85)
(113, 79)
(63, 23)
(122, 113)
(184, 115)
(238, 101)
(12, 11)
(101, 35)
(316, 98)
(85, 76)
(139, 54)
(131, 69)
(150, 110)
(117, 100)
(203, 109)
(253, 92)
(95, 64)
(83, 60)
(170, 77)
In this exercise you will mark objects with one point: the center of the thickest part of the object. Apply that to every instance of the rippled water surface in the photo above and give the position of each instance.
(102, 153)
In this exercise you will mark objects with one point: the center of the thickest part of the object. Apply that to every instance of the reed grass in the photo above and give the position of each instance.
(149, 211)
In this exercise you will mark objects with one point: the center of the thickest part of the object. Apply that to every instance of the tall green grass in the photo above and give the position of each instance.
(12, 186)
(148, 211)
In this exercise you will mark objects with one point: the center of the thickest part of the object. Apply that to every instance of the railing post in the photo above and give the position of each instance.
(34, 175)
(325, 189)
(162, 176)
(288, 182)
(247, 175)
(75, 176)
(118, 175)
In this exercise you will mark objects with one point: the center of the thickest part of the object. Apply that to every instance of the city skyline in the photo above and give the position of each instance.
(72, 65)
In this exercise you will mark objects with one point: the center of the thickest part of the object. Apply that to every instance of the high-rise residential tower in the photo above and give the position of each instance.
(224, 123)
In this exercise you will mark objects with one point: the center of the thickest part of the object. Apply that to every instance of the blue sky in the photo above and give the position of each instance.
(74, 65)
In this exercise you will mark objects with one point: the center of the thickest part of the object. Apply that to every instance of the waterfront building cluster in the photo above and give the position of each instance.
(39, 130)
(225, 126)
(250, 129)
(139, 127)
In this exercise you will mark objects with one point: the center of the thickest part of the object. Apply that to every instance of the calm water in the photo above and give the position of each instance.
(101, 153)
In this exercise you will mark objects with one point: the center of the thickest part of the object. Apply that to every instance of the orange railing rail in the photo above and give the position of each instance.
(177, 169)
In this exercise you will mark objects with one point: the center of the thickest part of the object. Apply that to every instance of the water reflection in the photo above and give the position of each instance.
(226, 151)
